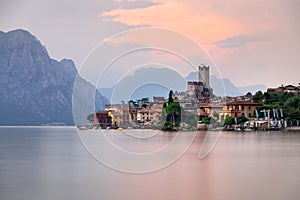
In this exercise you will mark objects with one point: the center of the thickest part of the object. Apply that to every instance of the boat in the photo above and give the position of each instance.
(82, 128)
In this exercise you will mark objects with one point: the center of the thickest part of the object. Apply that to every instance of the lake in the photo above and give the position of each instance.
(55, 163)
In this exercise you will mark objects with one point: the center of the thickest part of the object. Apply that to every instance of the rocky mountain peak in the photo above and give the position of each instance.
(35, 89)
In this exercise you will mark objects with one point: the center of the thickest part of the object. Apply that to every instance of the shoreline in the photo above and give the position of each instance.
(292, 128)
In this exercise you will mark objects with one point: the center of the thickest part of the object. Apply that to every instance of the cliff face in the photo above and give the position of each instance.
(35, 89)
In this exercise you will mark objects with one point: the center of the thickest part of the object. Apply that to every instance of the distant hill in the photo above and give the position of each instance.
(35, 89)
(253, 89)
(145, 82)
(222, 87)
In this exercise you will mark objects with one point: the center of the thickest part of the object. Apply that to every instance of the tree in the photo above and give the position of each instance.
(249, 95)
(241, 119)
(206, 120)
(268, 97)
(173, 113)
(258, 97)
(132, 103)
(215, 114)
(90, 118)
(191, 120)
(229, 120)
(145, 100)
(170, 99)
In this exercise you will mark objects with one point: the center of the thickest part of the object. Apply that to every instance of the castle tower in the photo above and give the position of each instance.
(204, 75)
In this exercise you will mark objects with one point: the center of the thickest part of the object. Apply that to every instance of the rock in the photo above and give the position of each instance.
(35, 89)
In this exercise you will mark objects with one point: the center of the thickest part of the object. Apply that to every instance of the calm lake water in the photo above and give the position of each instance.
(51, 163)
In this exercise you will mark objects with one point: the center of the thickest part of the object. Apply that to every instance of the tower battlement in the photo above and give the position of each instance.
(204, 75)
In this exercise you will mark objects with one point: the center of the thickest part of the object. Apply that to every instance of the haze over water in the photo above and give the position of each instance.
(51, 163)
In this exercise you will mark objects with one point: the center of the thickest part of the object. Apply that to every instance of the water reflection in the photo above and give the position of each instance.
(43, 163)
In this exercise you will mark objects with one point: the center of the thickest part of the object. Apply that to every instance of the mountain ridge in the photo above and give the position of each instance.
(36, 89)
(221, 87)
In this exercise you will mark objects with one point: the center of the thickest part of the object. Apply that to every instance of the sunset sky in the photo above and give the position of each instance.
(251, 42)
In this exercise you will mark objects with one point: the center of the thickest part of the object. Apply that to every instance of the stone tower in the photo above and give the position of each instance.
(204, 75)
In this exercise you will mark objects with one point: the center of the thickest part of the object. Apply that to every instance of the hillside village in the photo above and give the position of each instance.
(198, 108)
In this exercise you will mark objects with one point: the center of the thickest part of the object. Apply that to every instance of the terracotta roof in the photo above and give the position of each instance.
(241, 103)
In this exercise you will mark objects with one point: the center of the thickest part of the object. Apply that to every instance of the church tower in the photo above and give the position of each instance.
(204, 75)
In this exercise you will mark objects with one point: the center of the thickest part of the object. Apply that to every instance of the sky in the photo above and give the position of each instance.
(249, 42)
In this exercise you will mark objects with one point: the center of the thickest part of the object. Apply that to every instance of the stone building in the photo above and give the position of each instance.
(197, 90)
(204, 75)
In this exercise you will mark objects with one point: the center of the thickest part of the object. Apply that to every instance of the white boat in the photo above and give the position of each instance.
(82, 128)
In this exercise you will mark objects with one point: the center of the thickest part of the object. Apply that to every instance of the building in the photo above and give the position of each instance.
(143, 115)
(204, 75)
(289, 88)
(211, 109)
(238, 109)
(219, 111)
(102, 119)
(119, 114)
(156, 113)
(159, 100)
(133, 111)
(196, 90)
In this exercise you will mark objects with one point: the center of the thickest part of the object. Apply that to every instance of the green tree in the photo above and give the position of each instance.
(90, 118)
(145, 100)
(258, 97)
(170, 99)
(229, 120)
(206, 120)
(132, 103)
(215, 114)
(241, 119)
(191, 120)
(173, 113)
(249, 95)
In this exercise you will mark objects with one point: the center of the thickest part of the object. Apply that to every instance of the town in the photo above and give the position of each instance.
(197, 108)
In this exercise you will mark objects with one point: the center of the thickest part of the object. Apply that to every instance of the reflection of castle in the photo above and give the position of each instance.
(197, 90)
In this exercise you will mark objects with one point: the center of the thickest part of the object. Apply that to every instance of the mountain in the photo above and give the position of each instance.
(34, 88)
(253, 89)
(224, 87)
(145, 82)
(221, 87)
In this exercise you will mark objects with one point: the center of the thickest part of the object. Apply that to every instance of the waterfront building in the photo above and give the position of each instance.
(143, 115)
(238, 109)
(119, 114)
(220, 110)
(102, 119)
(156, 113)
(213, 110)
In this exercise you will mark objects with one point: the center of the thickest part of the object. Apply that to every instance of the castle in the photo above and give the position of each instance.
(203, 75)
(197, 90)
